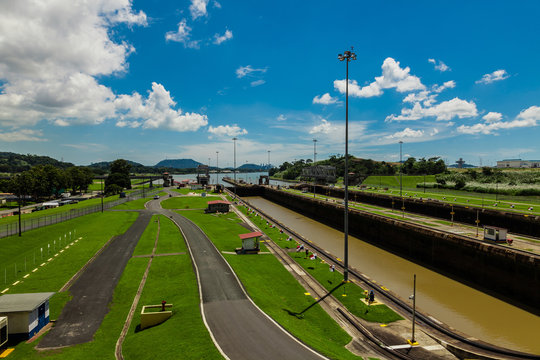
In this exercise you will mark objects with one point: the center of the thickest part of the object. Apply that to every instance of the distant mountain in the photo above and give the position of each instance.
(11, 162)
(178, 164)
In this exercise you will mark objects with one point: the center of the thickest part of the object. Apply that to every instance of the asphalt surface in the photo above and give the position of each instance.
(237, 325)
(93, 290)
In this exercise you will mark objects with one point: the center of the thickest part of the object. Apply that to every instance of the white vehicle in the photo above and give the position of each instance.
(156, 197)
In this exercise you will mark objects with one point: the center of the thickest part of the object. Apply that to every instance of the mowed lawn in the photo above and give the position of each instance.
(188, 202)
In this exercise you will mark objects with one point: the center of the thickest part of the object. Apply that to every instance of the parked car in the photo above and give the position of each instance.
(156, 197)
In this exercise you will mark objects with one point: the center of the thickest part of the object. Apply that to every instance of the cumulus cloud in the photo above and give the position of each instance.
(407, 133)
(49, 67)
(198, 8)
(325, 99)
(227, 130)
(439, 65)
(497, 75)
(526, 118)
(445, 110)
(243, 71)
(156, 112)
(393, 77)
(492, 117)
(183, 36)
(219, 39)
(22, 135)
(323, 128)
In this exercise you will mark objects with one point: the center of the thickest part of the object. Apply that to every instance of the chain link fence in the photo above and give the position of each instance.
(34, 223)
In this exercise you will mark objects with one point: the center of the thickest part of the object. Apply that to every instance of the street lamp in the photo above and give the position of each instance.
(314, 159)
(347, 56)
(234, 169)
(217, 168)
(400, 168)
(412, 341)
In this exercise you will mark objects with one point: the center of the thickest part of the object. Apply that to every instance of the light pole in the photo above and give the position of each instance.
(314, 159)
(400, 168)
(217, 168)
(102, 179)
(413, 297)
(347, 56)
(268, 162)
(234, 168)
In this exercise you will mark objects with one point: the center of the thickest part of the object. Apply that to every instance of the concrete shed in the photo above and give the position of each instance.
(250, 243)
(26, 313)
(221, 206)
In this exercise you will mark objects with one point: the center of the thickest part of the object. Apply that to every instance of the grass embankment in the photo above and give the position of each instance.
(408, 181)
(170, 278)
(188, 202)
(37, 246)
(321, 271)
(58, 210)
(282, 299)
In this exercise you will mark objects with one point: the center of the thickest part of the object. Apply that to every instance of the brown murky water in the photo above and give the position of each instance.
(472, 312)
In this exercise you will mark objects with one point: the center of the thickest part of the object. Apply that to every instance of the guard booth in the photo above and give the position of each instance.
(250, 243)
(26, 313)
(494, 233)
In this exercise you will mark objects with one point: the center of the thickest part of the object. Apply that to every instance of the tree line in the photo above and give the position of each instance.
(359, 168)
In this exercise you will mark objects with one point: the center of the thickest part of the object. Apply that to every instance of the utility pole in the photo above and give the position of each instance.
(234, 141)
(314, 160)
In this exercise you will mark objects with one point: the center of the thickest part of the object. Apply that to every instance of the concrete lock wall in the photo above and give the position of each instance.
(518, 223)
(502, 272)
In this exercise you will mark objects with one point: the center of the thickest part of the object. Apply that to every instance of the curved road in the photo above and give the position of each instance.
(239, 328)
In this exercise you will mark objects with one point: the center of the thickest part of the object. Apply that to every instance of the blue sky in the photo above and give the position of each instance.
(148, 80)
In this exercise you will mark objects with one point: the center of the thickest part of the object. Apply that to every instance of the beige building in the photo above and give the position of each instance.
(518, 163)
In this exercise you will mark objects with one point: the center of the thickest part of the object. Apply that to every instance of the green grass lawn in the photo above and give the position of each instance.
(184, 335)
(188, 202)
(58, 210)
(408, 181)
(95, 229)
(282, 299)
(329, 280)
(133, 205)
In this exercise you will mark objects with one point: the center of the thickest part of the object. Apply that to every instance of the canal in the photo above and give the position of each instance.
(470, 311)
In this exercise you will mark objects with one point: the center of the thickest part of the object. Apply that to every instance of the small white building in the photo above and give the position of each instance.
(495, 233)
(26, 313)
(518, 163)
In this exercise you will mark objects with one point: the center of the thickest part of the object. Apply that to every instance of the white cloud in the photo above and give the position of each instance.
(243, 71)
(183, 36)
(446, 110)
(407, 133)
(156, 112)
(21, 135)
(281, 117)
(227, 130)
(494, 76)
(492, 117)
(325, 99)
(257, 83)
(447, 85)
(439, 65)
(323, 128)
(51, 54)
(218, 39)
(393, 76)
(526, 118)
(198, 8)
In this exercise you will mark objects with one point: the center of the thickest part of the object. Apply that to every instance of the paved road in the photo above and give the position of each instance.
(92, 291)
(237, 325)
